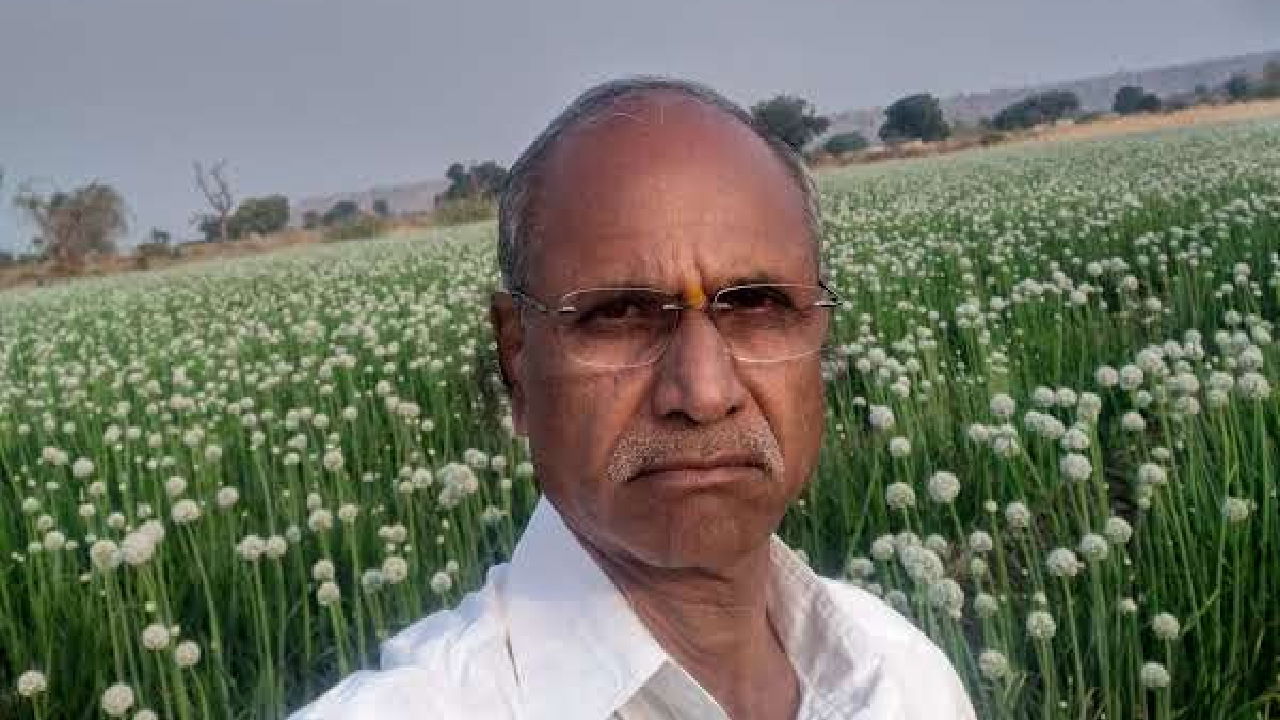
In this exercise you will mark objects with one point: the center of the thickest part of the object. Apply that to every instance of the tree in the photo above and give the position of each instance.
(791, 119)
(479, 181)
(381, 208)
(916, 116)
(310, 220)
(1133, 99)
(260, 215)
(73, 225)
(342, 211)
(845, 142)
(1037, 109)
(1238, 87)
(1269, 87)
(213, 185)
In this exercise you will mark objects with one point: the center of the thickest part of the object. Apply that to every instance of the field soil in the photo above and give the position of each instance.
(1121, 125)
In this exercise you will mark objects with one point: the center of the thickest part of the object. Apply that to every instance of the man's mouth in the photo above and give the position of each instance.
(700, 472)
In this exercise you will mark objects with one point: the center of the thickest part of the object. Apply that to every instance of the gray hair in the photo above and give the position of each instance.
(519, 189)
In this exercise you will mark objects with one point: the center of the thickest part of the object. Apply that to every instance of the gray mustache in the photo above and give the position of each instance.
(635, 453)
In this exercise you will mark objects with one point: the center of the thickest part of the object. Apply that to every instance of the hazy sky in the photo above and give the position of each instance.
(313, 96)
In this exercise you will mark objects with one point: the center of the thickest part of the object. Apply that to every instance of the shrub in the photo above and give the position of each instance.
(360, 227)
(845, 142)
(465, 210)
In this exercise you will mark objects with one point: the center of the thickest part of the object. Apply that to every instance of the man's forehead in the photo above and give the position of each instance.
(647, 202)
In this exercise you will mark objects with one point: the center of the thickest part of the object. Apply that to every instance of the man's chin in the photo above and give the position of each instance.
(698, 533)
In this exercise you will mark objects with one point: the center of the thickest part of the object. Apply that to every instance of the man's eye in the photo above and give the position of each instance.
(620, 310)
(760, 299)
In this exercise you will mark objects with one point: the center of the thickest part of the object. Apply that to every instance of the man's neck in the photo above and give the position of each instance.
(715, 624)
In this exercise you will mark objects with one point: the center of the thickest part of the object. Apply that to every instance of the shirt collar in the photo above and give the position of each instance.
(575, 641)
(573, 632)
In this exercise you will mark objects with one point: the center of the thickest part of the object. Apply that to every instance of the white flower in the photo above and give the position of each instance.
(251, 548)
(328, 593)
(395, 569)
(175, 486)
(943, 487)
(117, 700)
(145, 714)
(1154, 676)
(882, 548)
(881, 417)
(105, 555)
(1017, 515)
(138, 548)
(227, 496)
(1118, 530)
(185, 511)
(1075, 466)
(1152, 474)
(441, 582)
(1075, 439)
(1106, 376)
(82, 468)
(332, 460)
(1063, 563)
(980, 541)
(899, 496)
(1127, 606)
(1166, 626)
(155, 637)
(993, 664)
(31, 683)
(922, 564)
(320, 520)
(899, 447)
(1003, 406)
(1133, 421)
(1236, 510)
(347, 512)
(979, 433)
(322, 570)
(459, 480)
(276, 547)
(1094, 547)
(1253, 386)
(186, 654)
(985, 605)
(1040, 625)
(947, 595)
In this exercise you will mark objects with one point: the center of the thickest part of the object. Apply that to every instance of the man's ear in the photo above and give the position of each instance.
(508, 331)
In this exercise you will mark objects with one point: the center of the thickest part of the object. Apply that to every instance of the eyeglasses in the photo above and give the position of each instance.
(615, 328)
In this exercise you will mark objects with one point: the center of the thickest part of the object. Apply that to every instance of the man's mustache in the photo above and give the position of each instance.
(637, 453)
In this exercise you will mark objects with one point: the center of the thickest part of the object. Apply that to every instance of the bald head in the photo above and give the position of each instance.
(637, 138)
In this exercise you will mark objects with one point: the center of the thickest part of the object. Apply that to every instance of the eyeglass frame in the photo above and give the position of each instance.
(679, 304)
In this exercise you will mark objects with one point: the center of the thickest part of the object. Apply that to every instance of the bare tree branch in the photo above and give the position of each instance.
(213, 184)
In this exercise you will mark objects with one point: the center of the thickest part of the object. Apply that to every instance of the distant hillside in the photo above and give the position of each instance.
(1095, 93)
(410, 197)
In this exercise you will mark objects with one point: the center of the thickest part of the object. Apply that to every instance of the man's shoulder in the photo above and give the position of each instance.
(473, 631)
(905, 651)
(894, 637)
(453, 663)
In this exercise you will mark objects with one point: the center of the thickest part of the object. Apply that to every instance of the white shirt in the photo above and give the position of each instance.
(549, 637)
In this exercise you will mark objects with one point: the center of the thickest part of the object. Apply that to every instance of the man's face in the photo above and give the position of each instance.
(690, 461)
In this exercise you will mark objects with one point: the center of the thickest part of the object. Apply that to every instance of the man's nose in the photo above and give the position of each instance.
(697, 376)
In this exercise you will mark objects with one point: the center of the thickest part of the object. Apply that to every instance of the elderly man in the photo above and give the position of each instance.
(659, 335)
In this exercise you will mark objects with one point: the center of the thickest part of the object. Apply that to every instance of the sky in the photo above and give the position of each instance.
(305, 97)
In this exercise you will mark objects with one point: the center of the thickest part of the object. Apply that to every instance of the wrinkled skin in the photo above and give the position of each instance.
(666, 193)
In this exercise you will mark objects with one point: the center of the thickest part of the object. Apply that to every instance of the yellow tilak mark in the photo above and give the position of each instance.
(694, 296)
